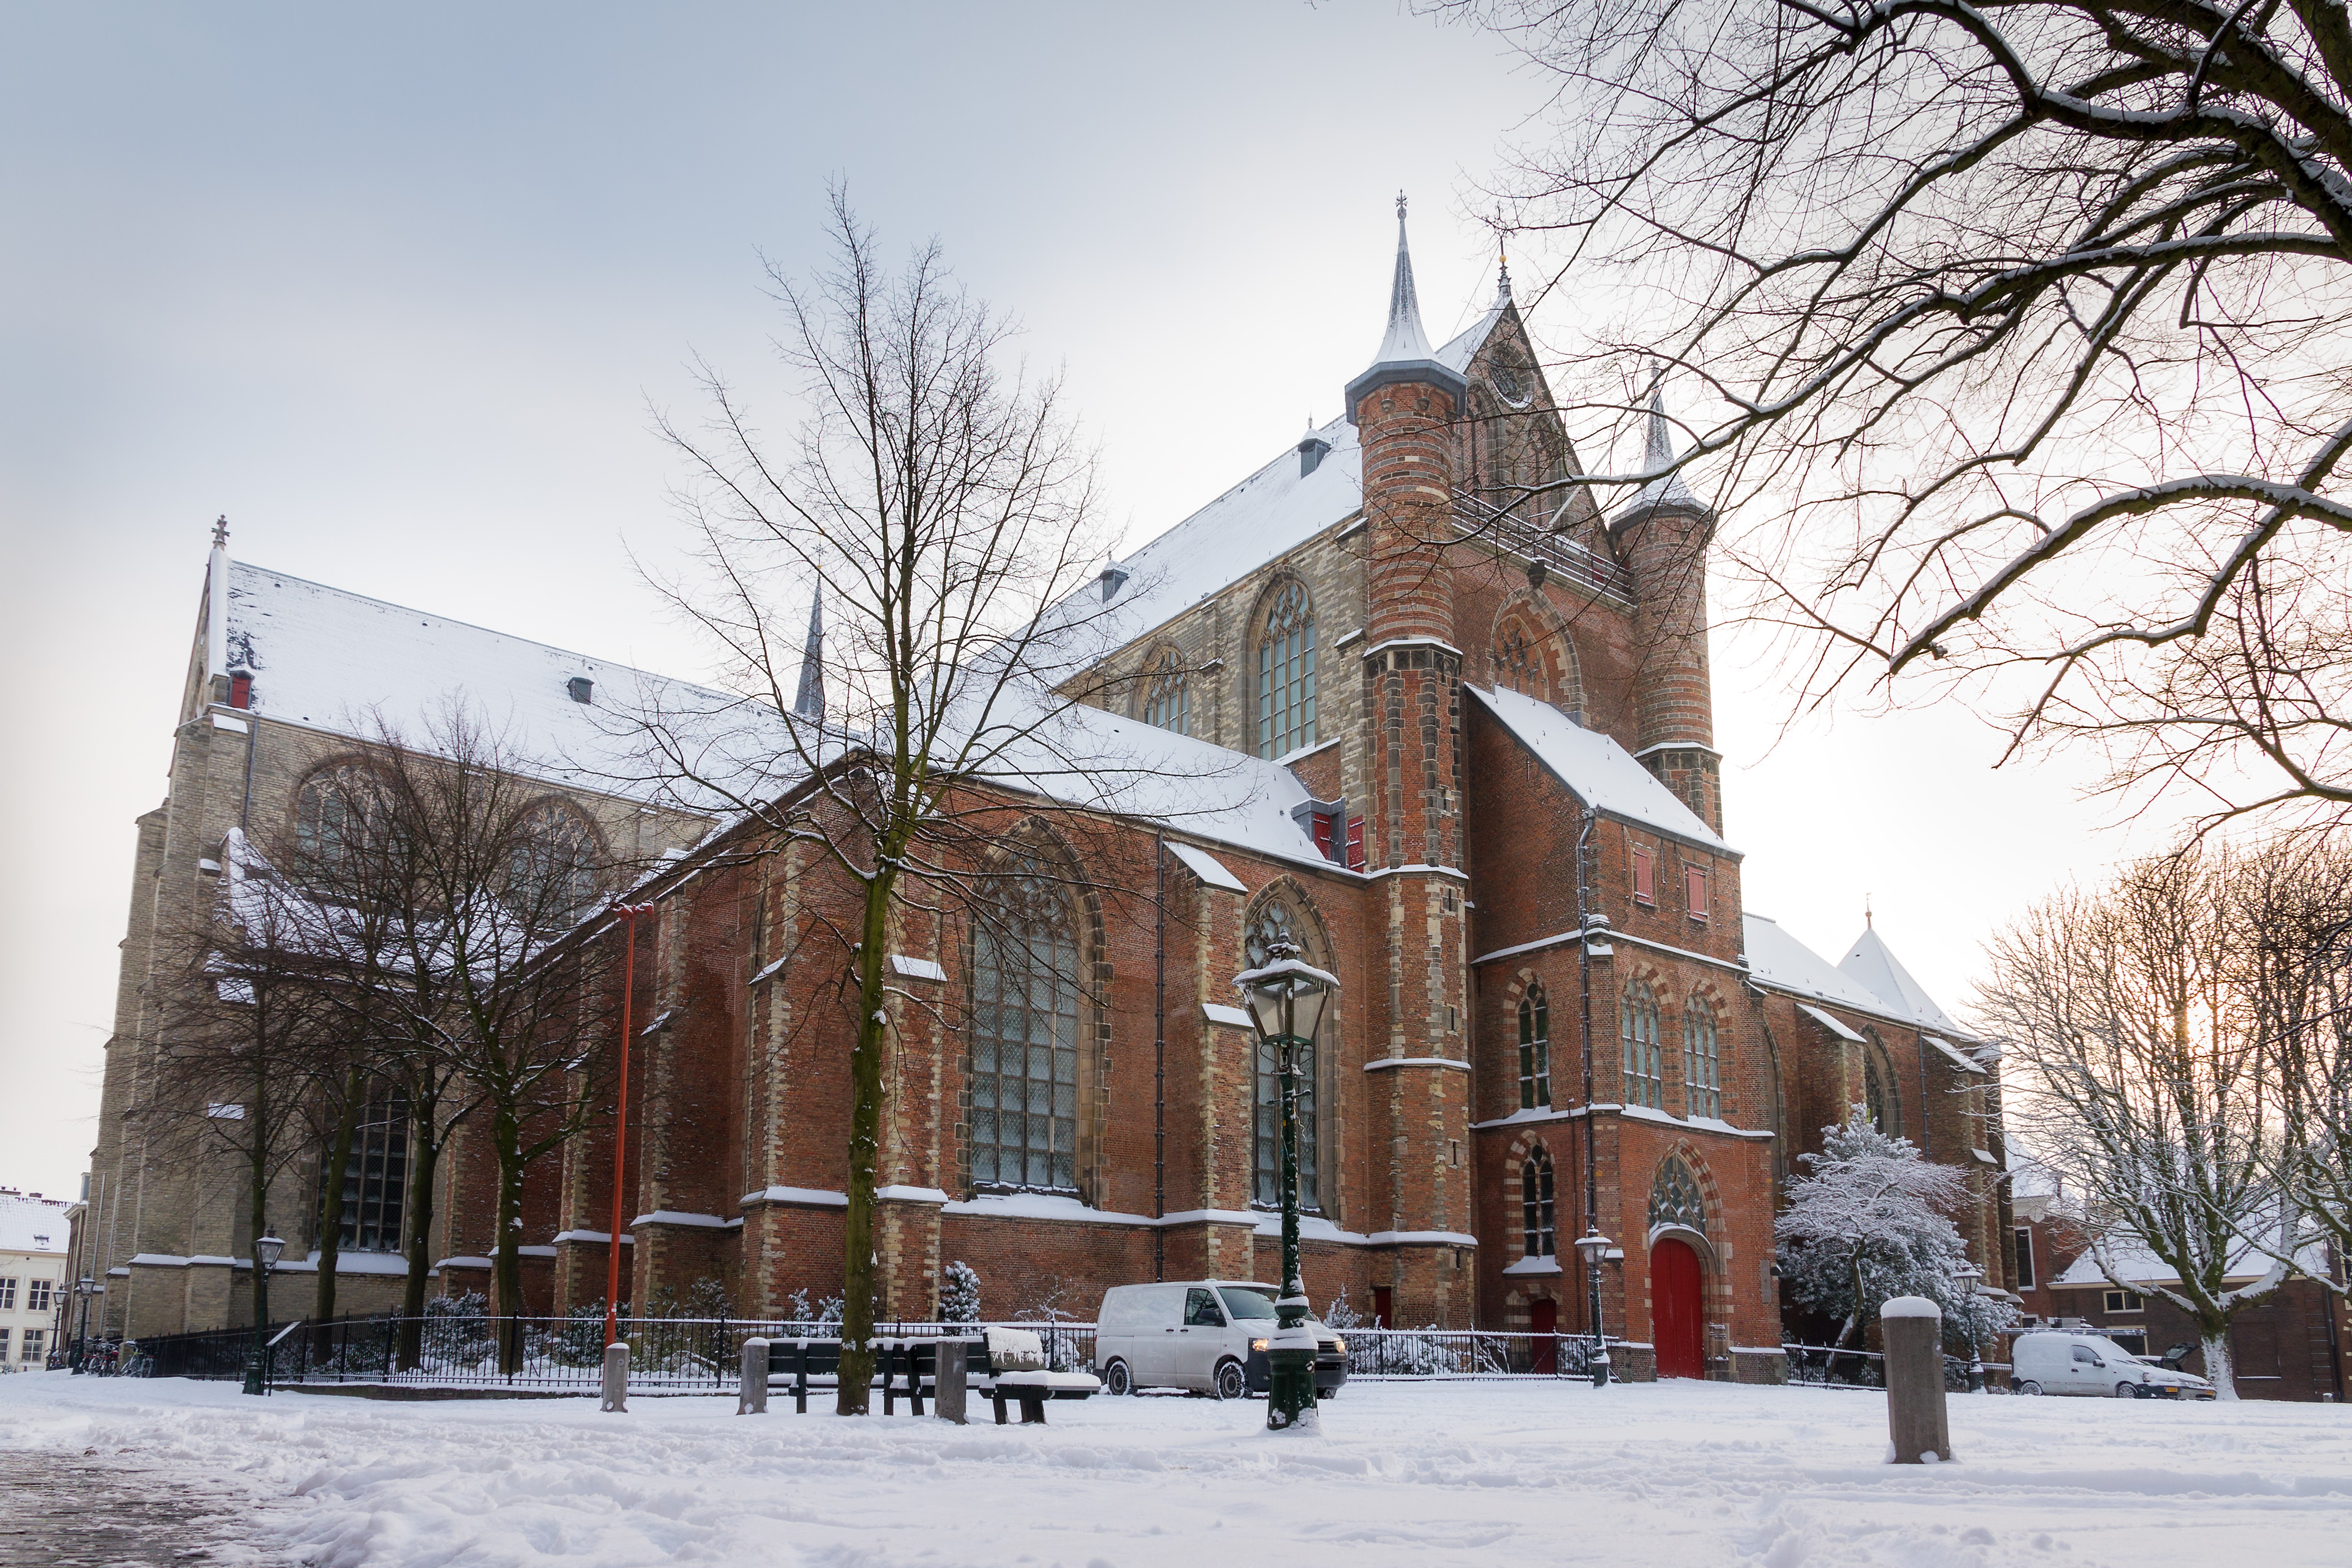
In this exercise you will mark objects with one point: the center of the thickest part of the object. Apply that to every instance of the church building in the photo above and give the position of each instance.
(1468, 719)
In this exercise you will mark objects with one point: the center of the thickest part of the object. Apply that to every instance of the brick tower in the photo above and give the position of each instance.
(1403, 406)
(1661, 535)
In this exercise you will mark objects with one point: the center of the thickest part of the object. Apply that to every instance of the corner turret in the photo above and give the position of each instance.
(1661, 535)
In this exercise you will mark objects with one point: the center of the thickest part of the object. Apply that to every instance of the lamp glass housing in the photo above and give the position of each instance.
(1592, 1245)
(269, 1249)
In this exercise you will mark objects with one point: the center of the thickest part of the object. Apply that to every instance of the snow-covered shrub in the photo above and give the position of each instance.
(959, 1294)
(458, 1328)
(1871, 1221)
(823, 1319)
(581, 1341)
(1340, 1313)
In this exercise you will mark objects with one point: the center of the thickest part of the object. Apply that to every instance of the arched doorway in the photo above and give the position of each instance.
(1543, 1319)
(1678, 1314)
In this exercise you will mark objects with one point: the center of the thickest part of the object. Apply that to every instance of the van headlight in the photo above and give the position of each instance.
(1257, 1344)
(1341, 1344)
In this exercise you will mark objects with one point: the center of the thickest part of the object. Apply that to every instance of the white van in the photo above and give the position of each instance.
(2066, 1361)
(1206, 1335)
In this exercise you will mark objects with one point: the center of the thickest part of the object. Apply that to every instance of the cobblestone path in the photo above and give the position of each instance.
(59, 1508)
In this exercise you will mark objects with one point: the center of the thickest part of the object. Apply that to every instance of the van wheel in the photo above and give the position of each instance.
(2029, 1387)
(1116, 1379)
(1230, 1382)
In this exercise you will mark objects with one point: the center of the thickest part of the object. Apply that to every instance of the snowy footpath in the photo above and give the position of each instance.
(1422, 1474)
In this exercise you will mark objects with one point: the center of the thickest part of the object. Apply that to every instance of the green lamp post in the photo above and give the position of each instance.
(265, 1252)
(1286, 1000)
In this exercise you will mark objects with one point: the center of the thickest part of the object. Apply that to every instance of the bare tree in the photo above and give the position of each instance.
(2136, 1075)
(943, 507)
(2024, 326)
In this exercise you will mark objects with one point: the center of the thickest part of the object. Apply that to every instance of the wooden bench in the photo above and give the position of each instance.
(1009, 1372)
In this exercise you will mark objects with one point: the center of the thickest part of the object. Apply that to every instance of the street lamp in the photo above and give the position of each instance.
(266, 1253)
(84, 1288)
(1970, 1275)
(1286, 1000)
(1593, 1247)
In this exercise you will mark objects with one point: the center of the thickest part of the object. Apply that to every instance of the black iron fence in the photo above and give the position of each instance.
(1406, 1355)
(1826, 1366)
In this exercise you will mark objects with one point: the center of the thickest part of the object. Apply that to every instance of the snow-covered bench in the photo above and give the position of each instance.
(1004, 1365)
(1010, 1365)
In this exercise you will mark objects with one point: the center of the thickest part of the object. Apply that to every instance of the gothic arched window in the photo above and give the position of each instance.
(553, 871)
(1675, 1197)
(1274, 922)
(1878, 1095)
(1167, 698)
(1645, 1065)
(1535, 1050)
(1517, 664)
(1024, 1037)
(1535, 1206)
(332, 812)
(1702, 1063)
(1285, 674)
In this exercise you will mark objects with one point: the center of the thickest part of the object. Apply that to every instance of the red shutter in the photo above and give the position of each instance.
(1645, 888)
(1694, 886)
(1355, 844)
(240, 692)
(1323, 825)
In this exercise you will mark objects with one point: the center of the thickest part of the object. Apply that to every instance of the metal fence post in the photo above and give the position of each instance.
(754, 1399)
(616, 1376)
(1913, 1327)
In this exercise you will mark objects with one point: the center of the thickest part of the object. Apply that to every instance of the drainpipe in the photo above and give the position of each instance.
(1584, 1008)
(1158, 1053)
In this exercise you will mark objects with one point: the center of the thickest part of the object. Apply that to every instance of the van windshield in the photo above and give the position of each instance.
(1247, 1303)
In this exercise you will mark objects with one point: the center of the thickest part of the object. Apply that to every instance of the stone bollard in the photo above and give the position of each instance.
(754, 1399)
(1913, 1329)
(948, 1389)
(616, 1376)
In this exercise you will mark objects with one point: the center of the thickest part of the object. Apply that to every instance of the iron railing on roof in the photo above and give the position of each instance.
(1477, 517)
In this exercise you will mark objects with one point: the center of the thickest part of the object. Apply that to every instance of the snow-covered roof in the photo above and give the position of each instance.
(1658, 453)
(1873, 966)
(1260, 519)
(331, 659)
(1601, 772)
(28, 1223)
(1781, 962)
(2138, 1266)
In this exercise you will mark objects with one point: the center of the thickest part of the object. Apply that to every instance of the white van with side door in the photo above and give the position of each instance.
(2064, 1360)
(1207, 1336)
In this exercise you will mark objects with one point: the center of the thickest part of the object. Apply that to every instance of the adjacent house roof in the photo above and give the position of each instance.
(32, 1224)
(1783, 962)
(1597, 769)
(2138, 1266)
(1873, 966)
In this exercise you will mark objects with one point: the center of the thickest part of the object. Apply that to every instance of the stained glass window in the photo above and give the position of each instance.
(1168, 700)
(1702, 1069)
(1025, 1038)
(331, 812)
(375, 1177)
(1675, 1197)
(1286, 675)
(1535, 1050)
(1645, 1067)
(1536, 1205)
(554, 865)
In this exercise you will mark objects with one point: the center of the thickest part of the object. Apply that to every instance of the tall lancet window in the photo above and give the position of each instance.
(1535, 1050)
(1702, 1063)
(1168, 698)
(1025, 1038)
(1540, 1239)
(1275, 923)
(1286, 675)
(1645, 1067)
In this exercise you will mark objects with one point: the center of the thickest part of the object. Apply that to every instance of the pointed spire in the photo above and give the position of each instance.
(809, 701)
(1405, 340)
(1502, 261)
(1658, 456)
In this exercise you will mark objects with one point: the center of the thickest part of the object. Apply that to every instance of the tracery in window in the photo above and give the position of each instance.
(375, 1176)
(1878, 1096)
(1517, 664)
(1645, 1064)
(1535, 1049)
(553, 871)
(1285, 674)
(1168, 698)
(1024, 1037)
(332, 812)
(1536, 1205)
(1675, 1197)
(1702, 1065)
(1274, 922)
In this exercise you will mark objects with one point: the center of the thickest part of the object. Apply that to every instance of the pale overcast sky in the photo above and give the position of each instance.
(393, 290)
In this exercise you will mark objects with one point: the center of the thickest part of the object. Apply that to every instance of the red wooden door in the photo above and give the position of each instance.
(1543, 1319)
(1676, 1317)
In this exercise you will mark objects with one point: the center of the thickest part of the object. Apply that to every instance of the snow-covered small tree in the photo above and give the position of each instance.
(1870, 1221)
(959, 1294)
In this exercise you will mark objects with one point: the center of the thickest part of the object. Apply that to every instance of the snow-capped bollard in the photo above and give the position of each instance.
(616, 1376)
(1913, 1329)
(754, 1399)
(948, 1386)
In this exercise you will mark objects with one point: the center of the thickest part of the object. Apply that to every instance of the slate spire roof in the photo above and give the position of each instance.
(1871, 964)
(1406, 340)
(809, 700)
(1657, 456)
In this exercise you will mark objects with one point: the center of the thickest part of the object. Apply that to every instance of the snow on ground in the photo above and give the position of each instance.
(1675, 1473)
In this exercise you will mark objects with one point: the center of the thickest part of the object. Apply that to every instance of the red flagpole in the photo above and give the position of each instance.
(628, 914)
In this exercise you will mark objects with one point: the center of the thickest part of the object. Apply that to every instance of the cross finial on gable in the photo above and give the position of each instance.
(220, 532)
(1400, 204)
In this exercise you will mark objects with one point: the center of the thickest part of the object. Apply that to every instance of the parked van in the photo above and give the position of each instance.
(1206, 1335)
(2064, 1360)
